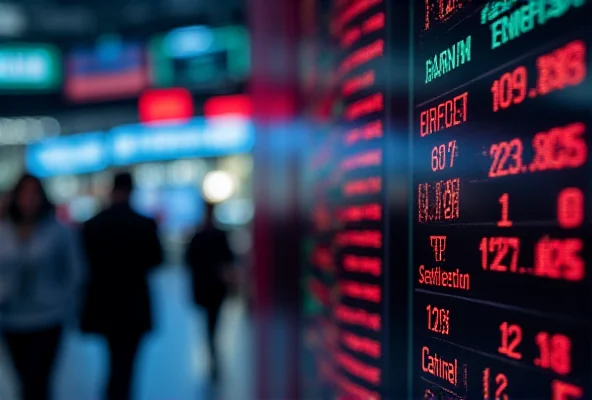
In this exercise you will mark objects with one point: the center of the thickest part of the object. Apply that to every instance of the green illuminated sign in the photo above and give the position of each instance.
(448, 60)
(200, 56)
(29, 67)
(523, 19)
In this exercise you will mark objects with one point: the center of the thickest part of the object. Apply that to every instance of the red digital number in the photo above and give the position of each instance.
(504, 201)
(510, 89)
(438, 319)
(559, 148)
(501, 384)
(511, 338)
(554, 258)
(554, 352)
(500, 248)
(507, 158)
(570, 208)
(565, 391)
(557, 70)
(561, 68)
(439, 155)
(559, 259)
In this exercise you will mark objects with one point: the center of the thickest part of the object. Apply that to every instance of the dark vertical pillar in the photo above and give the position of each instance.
(276, 263)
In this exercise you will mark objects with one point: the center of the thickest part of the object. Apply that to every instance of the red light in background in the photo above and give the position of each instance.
(233, 104)
(174, 104)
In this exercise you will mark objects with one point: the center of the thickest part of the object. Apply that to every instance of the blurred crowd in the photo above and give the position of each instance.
(93, 277)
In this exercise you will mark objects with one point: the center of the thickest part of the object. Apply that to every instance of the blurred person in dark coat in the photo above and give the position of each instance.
(210, 258)
(41, 271)
(122, 247)
(4, 204)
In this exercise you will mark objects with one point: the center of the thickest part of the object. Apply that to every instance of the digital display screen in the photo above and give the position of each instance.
(448, 246)
(345, 283)
(201, 58)
(139, 143)
(500, 145)
(110, 70)
(66, 155)
(30, 67)
(200, 137)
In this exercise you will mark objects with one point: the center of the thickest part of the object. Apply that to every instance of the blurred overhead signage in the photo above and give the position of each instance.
(238, 104)
(157, 105)
(66, 155)
(201, 58)
(200, 137)
(138, 143)
(29, 67)
(111, 70)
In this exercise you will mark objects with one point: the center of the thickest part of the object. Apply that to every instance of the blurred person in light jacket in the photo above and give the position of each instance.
(210, 258)
(122, 247)
(41, 271)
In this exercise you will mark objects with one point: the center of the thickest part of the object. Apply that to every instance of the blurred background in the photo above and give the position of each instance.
(159, 88)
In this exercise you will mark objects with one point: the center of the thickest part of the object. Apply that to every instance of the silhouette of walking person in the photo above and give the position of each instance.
(41, 271)
(122, 247)
(209, 256)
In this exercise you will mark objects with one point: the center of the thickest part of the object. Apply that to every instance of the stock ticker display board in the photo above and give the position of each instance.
(498, 109)
(346, 331)
(501, 295)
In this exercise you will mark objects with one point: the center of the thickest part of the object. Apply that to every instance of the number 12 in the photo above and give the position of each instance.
(511, 338)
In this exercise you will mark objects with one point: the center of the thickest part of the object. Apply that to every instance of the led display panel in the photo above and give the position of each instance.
(446, 193)
(201, 58)
(111, 70)
(235, 104)
(200, 137)
(138, 143)
(501, 119)
(30, 67)
(66, 155)
(344, 281)
(160, 105)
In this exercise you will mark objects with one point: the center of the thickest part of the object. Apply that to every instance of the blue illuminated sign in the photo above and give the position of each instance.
(189, 42)
(111, 70)
(136, 143)
(200, 137)
(106, 59)
(76, 154)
